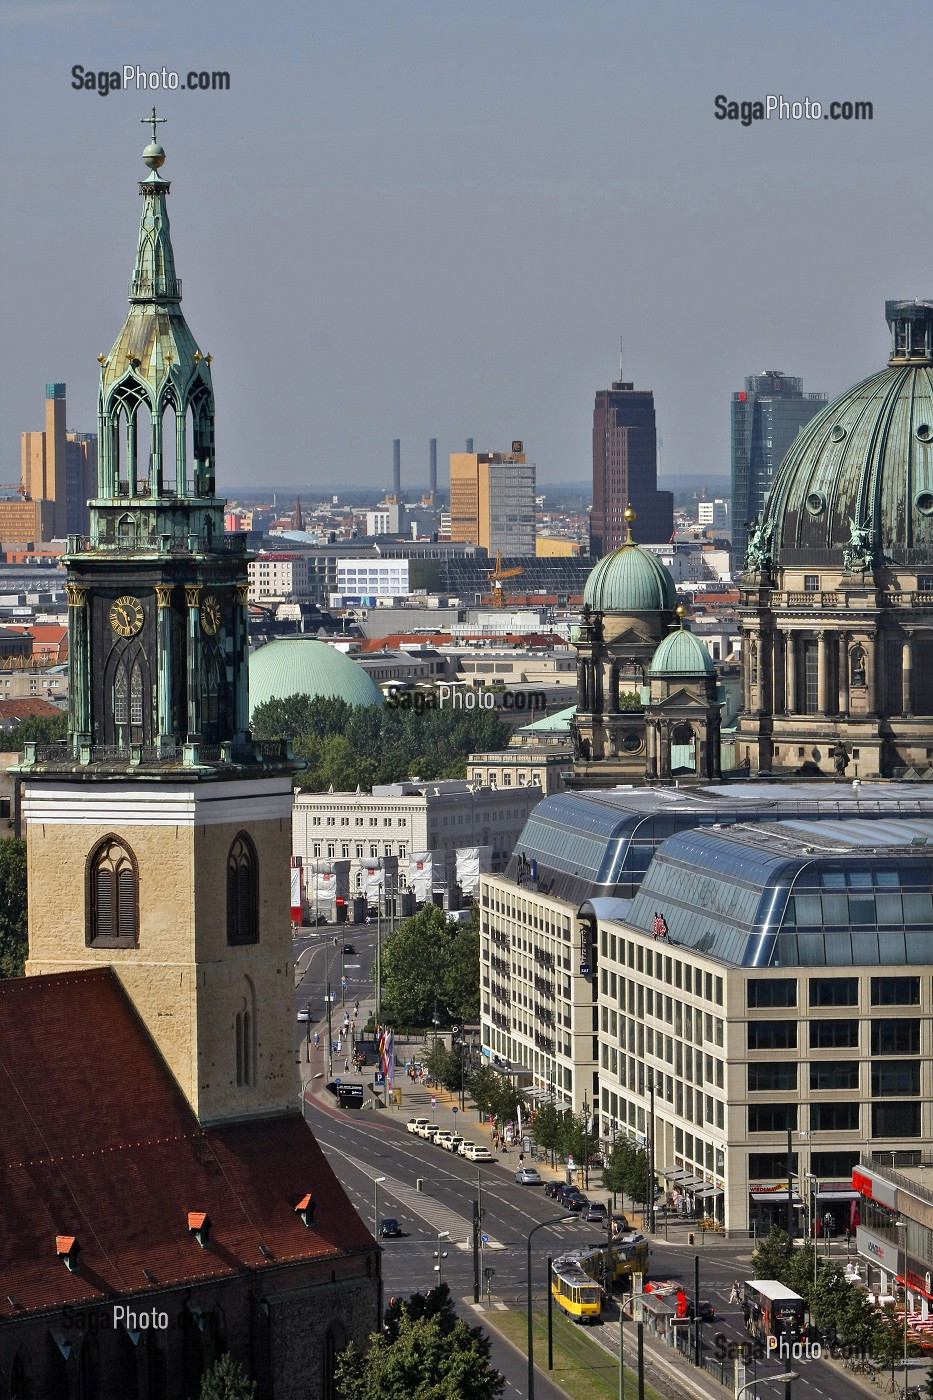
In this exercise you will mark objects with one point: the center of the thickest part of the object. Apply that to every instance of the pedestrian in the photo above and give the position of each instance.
(521, 1158)
(346, 1065)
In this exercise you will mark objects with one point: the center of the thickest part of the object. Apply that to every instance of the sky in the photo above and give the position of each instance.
(440, 218)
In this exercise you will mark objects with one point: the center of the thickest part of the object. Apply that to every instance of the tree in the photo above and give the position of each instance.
(772, 1254)
(616, 1168)
(14, 940)
(38, 729)
(227, 1381)
(424, 1351)
(483, 1084)
(438, 1061)
(430, 960)
(546, 1129)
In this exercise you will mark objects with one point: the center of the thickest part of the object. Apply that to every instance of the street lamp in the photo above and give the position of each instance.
(440, 1256)
(304, 1087)
(557, 1220)
(785, 1376)
(902, 1225)
(376, 1181)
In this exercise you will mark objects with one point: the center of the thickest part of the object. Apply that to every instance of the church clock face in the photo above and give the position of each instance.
(126, 615)
(210, 614)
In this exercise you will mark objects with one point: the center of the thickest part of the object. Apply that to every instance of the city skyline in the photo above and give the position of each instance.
(460, 214)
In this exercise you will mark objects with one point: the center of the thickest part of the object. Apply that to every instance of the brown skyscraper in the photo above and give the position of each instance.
(625, 470)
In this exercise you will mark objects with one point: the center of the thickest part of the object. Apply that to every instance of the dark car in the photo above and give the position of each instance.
(565, 1192)
(389, 1228)
(348, 948)
(578, 1202)
(706, 1310)
(552, 1189)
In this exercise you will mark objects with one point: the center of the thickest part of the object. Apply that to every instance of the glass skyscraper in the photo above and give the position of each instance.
(766, 417)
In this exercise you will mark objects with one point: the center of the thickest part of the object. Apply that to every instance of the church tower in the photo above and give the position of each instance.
(159, 834)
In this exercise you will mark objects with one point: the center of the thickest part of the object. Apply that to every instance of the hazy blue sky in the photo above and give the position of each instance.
(420, 218)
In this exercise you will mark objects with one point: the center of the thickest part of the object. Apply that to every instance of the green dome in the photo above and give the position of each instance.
(305, 666)
(681, 654)
(858, 478)
(630, 580)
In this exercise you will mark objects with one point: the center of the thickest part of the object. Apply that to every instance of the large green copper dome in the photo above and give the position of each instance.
(630, 580)
(306, 666)
(857, 483)
(681, 654)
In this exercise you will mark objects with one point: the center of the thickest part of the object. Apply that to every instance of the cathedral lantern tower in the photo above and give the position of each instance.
(159, 834)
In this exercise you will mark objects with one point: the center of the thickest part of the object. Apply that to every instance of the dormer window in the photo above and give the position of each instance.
(305, 1210)
(199, 1225)
(68, 1249)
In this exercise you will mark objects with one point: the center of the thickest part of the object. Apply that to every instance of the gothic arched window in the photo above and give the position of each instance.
(112, 896)
(244, 1029)
(242, 892)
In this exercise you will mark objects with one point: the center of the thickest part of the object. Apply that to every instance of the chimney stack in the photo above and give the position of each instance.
(397, 468)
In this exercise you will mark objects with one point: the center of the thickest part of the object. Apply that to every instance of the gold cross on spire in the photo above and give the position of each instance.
(154, 121)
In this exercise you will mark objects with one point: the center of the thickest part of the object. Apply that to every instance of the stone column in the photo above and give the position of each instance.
(822, 673)
(78, 644)
(581, 684)
(778, 687)
(790, 672)
(870, 645)
(192, 599)
(842, 661)
(163, 592)
(907, 664)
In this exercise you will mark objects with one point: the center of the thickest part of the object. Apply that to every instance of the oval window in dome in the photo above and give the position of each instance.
(925, 432)
(924, 502)
(816, 503)
(631, 742)
(838, 433)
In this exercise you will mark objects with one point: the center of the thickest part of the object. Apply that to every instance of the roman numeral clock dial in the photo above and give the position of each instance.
(126, 615)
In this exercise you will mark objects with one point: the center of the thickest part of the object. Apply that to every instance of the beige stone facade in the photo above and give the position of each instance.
(186, 983)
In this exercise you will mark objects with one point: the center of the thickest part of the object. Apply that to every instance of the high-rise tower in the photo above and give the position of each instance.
(159, 834)
(625, 469)
(766, 417)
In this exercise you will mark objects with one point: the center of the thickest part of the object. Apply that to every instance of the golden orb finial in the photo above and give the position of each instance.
(681, 612)
(628, 515)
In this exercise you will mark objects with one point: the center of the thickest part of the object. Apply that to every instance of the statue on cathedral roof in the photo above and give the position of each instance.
(858, 556)
(758, 553)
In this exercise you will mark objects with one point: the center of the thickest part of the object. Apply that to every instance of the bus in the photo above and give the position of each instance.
(771, 1310)
(574, 1292)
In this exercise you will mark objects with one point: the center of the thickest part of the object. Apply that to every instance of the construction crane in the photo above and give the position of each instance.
(496, 577)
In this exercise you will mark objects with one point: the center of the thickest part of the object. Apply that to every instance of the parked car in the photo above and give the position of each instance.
(390, 1229)
(440, 1137)
(595, 1213)
(566, 1192)
(479, 1153)
(414, 1125)
(452, 1144)
(552, 1188)
(577, 1202)
(528, 1176)
(465, 1146)
(428, 1130)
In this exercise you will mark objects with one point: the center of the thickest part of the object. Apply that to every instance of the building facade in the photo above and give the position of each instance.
(837, 593)
(625, 469)
(492, 501)
(766, 417)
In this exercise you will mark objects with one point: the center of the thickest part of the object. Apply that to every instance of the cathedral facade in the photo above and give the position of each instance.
(837, 591)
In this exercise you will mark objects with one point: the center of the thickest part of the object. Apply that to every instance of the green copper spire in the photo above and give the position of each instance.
(155, 378)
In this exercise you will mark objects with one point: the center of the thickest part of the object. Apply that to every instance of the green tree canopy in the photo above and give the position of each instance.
(431, 960)
(227, 1381)
(14, 939)
(349, 746)
(424, 1352)
(34, 729)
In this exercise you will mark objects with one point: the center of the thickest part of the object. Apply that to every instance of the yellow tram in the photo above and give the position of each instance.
(574, 1292)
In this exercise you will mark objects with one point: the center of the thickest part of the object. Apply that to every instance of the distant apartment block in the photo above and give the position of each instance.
(492, 500)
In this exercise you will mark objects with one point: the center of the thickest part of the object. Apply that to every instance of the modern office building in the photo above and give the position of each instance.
(625, 469)
(893, 1228)
(80, 480)
(623, 938)
(766, 417)
(837, 594)
(492, 500)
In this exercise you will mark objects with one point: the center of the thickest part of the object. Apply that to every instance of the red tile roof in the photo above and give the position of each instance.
(99, 1143)
(15, 709)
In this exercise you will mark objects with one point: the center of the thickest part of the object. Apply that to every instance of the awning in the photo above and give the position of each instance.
(672, 1171)
(706, 1191)
(837, 1195)
(777, 1198)
(692, 1182)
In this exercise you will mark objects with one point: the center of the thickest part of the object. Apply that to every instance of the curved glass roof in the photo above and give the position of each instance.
(763, 896)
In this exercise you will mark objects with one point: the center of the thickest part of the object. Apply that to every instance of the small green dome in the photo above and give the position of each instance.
(629, 580)
(681, 654)
(306, 666)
